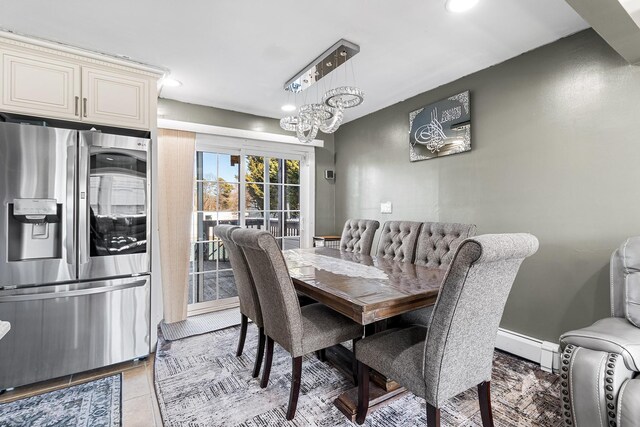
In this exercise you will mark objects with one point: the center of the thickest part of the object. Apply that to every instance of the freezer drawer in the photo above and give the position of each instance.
(65, 329)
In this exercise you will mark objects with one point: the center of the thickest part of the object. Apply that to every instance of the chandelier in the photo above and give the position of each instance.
(325, 115)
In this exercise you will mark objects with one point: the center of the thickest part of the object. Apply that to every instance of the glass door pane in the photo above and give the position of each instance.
(216, 201)
(283, 186)
(254, 192)
(117, 203)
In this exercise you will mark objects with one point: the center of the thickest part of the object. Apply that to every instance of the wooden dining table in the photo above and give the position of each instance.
(368, 290)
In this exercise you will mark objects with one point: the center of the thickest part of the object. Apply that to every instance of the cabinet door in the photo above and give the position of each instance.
(115, 98)
(39, 85)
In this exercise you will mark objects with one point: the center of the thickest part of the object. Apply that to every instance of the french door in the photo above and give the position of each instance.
(249, 188)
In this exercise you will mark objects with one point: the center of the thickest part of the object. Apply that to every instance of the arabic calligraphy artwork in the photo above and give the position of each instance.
(441, 128)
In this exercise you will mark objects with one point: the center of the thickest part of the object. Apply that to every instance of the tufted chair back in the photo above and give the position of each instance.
(278, 299)
(398, 240)
(247, 294)
(438, 241)
(357, 235)
(461, 338)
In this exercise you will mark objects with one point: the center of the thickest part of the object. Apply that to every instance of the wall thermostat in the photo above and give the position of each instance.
(329, 174)
(386, 207)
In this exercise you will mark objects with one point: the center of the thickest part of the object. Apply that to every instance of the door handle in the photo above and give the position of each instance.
(74, 293)
(77, 113)
(84, 107)
(83, 221)
(70, 206)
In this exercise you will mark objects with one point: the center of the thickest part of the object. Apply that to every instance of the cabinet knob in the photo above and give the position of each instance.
(84, 106)
(77, 113)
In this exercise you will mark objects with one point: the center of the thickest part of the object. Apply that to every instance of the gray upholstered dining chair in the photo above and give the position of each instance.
(437, 243)
(455, 352)
(247, 294)
(357, 235)
(299, 330)
(398, 240)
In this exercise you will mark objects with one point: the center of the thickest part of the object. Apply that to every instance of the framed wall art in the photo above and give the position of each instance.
(441, 128)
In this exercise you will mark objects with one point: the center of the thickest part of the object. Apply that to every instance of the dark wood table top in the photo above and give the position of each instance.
(364, 288)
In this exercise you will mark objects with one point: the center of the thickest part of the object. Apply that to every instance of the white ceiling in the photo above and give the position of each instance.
(633, 7)
(238, 54)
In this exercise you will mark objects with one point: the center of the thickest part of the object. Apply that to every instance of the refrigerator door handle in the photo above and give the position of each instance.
(73, 293)
(83, 198)
(70, 235)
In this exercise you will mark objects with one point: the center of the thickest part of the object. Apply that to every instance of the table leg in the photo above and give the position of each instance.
(382, 381)
(382, 390)
(341, 358)
(347, 402)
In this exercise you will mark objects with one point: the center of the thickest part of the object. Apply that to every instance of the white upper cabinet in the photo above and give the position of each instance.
(40, 86)
(114, 98)
(43, 79)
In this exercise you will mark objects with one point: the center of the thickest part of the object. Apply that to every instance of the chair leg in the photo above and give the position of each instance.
(296, 373)
(484, 396)
(433, 416)
(267, 363)
(243, 334)
(321, 355)
(259, 354)
(363, 393)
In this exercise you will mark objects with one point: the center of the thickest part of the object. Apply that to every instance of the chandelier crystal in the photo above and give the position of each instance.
(326, 116)
(343, 97)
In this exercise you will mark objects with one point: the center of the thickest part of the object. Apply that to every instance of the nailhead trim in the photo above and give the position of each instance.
(566, 358)
(608, 386)
(608, 380)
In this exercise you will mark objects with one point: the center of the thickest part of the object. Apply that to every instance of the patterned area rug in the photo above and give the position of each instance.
(200, 382)
(96, 404)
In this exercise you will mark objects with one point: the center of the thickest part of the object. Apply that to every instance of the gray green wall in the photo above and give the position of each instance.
(325, 190)
(555, 152)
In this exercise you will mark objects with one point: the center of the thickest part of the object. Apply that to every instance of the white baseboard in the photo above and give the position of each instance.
(546, 353)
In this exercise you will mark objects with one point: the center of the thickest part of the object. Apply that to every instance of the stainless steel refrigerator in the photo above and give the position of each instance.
(74, 251)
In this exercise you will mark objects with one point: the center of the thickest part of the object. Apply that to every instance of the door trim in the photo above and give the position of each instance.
(235, 133)
(211, 306)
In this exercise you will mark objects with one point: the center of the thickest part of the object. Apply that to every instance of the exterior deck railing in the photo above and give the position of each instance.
(216, 249)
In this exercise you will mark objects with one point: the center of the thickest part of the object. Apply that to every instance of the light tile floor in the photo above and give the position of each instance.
(139, 403)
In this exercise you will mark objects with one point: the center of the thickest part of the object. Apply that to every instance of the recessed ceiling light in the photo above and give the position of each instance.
(288, 107)
(168, 81)
(459, 6)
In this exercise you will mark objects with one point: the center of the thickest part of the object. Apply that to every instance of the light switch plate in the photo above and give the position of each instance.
(386, 207)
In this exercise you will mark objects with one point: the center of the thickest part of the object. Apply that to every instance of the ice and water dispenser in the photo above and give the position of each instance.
(35, 229)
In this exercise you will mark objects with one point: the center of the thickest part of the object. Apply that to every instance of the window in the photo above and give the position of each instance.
(273, 197)
(261, 191)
